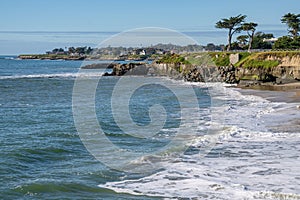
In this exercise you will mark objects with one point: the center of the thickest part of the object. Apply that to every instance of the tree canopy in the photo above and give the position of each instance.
(287, 42)
(293, 22)
(250, 28)
(233, 24)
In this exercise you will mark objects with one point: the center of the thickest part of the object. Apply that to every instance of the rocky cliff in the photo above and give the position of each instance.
(277, 67)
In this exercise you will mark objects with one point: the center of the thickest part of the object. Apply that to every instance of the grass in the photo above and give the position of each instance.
(260, 60)
(199, 59)
(173, 59)
(220, 59)
(265, 60)
(260, 63)
(244, 55)
(279, 54)
(248, 60)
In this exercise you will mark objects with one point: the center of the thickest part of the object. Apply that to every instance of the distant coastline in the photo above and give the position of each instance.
(257, 69)
(50, 57)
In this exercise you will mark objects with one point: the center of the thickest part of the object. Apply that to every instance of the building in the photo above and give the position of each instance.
(270, 41)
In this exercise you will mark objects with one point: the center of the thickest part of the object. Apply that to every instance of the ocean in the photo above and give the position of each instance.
(210, 140)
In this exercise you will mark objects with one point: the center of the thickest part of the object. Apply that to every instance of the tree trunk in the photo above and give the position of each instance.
(295, 33)
(229, 40)
(250, 41)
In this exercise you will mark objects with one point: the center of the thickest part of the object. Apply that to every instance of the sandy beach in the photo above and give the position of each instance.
(289, 93)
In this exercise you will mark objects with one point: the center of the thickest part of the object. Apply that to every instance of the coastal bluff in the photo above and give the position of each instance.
(251, 68)
(255, 68)
(276, 67)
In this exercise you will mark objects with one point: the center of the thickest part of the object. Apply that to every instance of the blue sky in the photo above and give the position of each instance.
(33, 25)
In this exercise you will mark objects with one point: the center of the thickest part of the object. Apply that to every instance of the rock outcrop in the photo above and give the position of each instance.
(128, 69)
(228, 74)
(99, 66)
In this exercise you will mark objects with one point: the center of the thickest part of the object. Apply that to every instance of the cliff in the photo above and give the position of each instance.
(259, 67)
(256, 68)
(279, 67)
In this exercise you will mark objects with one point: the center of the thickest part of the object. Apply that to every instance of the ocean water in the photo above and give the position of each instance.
(42, 155)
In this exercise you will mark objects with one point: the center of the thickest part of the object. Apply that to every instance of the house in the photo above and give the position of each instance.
(270, 41)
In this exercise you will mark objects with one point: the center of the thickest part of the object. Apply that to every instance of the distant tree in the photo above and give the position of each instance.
(287, 42)
(236, 46)
(283, 43)
(295, 44)
(56, 50)
(250, 28)
(259, 43)
(293, 22)
(221, 47)
(71, 50)
(242, 40)
(233, 24)
(210, 47)
(80, 50)
(89, 50)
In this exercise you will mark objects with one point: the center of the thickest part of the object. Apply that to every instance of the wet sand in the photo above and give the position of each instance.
(289, 93)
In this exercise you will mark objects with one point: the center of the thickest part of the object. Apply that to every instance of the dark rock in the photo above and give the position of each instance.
(130, 69)
(99, 66)
(228, 74)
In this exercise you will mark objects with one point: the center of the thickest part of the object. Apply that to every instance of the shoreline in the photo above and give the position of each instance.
(285, 93)
(288, 93)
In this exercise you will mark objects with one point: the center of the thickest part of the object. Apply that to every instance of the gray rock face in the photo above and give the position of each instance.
(129, 69)
(99, 66)
(278, 74)
(192, 74)
(227, 74)
(212, 74)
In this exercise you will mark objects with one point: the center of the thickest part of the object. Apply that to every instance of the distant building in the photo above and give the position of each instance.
(142, 52)
(270, 41)
(146, 51)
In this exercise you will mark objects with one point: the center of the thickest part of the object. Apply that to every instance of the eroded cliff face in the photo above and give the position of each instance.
(289, 67)
(288, 70)
(286, 61)
(285, 70)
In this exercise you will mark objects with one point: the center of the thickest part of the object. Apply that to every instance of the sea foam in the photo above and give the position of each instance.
(247, 162)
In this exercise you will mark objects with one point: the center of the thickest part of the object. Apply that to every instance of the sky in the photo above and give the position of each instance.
(34, 26)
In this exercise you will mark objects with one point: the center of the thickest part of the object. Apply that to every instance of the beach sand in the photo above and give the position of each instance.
(289, 93)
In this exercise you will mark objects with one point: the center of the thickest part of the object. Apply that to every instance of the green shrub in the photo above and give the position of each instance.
(220, 59)
(173, 59)
(287, 42)
(261, 63)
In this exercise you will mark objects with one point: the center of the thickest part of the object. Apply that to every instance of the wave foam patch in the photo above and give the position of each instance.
(248, 162)
(58, 75)
(237, 168)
